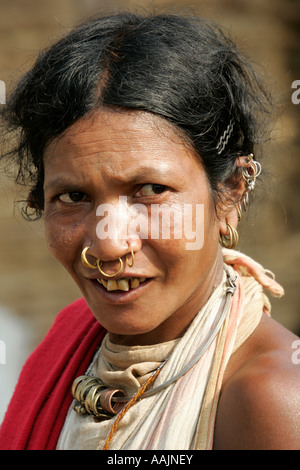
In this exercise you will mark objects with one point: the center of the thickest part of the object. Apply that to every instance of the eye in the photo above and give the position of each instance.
(151, 189)
(72, 197)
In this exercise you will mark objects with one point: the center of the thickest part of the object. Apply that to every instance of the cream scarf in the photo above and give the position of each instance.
(182, 416)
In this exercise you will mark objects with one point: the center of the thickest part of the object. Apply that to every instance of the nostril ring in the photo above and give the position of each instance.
(85, 261)
(99, 264)
(132, 258)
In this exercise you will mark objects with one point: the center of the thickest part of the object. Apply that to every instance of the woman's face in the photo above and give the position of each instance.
(95, 175)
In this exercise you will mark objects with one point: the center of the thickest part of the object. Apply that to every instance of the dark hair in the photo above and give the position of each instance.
(183, 69)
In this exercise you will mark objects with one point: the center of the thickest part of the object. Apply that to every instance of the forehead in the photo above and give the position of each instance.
(120, 141)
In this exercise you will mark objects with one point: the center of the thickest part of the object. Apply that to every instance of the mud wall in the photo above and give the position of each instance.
(32, 285)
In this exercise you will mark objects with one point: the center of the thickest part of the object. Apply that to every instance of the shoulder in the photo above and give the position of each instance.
(259, 407)
(71, 325)
(78, 308)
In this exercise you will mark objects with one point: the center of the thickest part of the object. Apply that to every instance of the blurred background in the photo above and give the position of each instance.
(33, 287)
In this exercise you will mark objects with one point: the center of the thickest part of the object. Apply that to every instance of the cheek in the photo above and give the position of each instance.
(175, 261)
(199, 238)
(62, 242)
(196, 257)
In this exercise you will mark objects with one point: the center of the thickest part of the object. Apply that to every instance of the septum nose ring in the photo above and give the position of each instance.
(99, 262)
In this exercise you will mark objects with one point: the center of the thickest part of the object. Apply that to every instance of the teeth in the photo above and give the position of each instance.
(121, 284)
(134, 283)
(112, 285)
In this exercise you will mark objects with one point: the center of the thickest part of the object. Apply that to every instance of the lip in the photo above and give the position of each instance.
(121, 297)
(119, 276)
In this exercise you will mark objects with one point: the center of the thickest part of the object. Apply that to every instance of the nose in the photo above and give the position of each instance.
(112, 239)
(110, 250)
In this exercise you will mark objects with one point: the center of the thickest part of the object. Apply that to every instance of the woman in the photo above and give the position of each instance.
(138, 135)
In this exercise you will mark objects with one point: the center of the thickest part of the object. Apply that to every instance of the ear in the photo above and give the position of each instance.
(233, 194)
(228, 218)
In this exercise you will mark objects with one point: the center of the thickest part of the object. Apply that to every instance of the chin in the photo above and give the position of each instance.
(128, 328)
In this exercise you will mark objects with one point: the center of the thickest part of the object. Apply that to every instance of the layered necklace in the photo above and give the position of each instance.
(93, 397)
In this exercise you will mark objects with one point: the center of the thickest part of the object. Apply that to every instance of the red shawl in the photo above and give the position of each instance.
(42, 397)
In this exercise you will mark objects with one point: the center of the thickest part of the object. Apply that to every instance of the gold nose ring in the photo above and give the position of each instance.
(85, 261)
(99, 264)
(132, 258)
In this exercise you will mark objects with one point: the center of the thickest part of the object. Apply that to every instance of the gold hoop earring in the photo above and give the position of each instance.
(230, 240)
(99, 264)
(84, 259)
(132, 258)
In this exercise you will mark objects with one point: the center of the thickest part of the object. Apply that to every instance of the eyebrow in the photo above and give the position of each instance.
(145, 173)
(61, 183)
